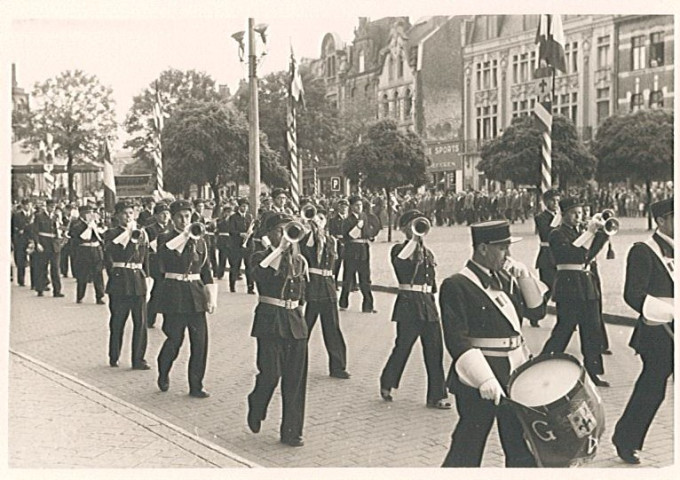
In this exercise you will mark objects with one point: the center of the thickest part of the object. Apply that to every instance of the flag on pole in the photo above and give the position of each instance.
(157, 150)
(295, 97)
(47, 153)
(109, 180)
(550, 40)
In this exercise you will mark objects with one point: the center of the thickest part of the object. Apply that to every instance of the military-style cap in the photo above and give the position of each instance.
(569, 203)
(550, 194)
(199, 201)
(342, 201)
(25, 201)
(355, 199)
(243, 201)
(278, 191)
(85, 209)
(493, 232)
(274, 220)
(408, 216)
(179, 205)
(662, 208)
(161, 207)
(122, 205)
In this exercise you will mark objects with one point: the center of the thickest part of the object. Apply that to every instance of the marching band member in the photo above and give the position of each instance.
(546, 221)
(280, 199)
(88, 254)
(649, 290)
(482, 309)
(183, 260)
(281, 332)
(21, 236)
(240, 227)
(160, 224)
(576, 290)
(319, 249)
(127, 265)
(415, 313)
(48, 241)
(335, 229)
(222, 240)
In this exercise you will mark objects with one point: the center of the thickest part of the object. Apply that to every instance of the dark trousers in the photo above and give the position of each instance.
(430, 334)
(586, 315)
(647, 396)
(174, 325)
(476, 417)
(212, 254)
(45, 261)
(363, 269)
(21, 262)
(332, 335)
(92, 274)
(547, 276)
(222, 255)
(64, 258)
(285, 359)
(152, 304)
(236, 257)
(121, 306)
(34, 260)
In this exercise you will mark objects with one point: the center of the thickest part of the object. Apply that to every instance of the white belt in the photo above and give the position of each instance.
(545, 244)
(89, 244)
(183, 277)
(572, 266)
(133, 266)
(415, 288)
(44, 234)
(287, 304)
(320, 271)
(224, 234)
(359, 240)
(507, 343)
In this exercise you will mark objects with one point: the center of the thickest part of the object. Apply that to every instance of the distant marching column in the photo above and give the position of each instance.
(296, 95)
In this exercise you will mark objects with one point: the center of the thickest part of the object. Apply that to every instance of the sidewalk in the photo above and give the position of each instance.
(57, 422)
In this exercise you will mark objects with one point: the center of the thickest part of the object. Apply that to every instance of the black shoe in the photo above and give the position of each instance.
(371, 310)
(141, 366)
(40, 294)
(343, 374)
(151, 325)
(113, 363)
(232, 289)
(607, 352)
(599, 382)
(163, 383)
(100, 302)
(293, 441)
(251, 291)
(534, 324)
(254, 424)
(627, 455)
(385, 393)
(22, 285)
(79, 300)
(58, 295)
(199, 394)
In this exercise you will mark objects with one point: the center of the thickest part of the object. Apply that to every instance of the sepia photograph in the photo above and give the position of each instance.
(262, 235)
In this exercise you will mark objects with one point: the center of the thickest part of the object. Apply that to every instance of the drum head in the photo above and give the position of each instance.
(544, 380)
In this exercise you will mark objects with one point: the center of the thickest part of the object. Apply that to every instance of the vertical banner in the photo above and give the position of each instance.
(295, 97)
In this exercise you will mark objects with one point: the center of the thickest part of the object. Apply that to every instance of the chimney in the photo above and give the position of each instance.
(14, 76)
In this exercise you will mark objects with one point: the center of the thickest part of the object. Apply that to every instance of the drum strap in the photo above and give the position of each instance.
(499, 298)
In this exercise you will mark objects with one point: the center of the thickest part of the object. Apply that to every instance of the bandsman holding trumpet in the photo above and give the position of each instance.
(240, 227)
(222, 240)
(415, 312)
(320, 250)
(649, 290)
(87, 254)
(281, 332)
(161, 224)
(126, 260)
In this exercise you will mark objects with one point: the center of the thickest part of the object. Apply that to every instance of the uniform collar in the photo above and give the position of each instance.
(483, 273)
(665, 239)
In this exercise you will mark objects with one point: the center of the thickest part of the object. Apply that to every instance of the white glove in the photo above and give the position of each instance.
(491, 390)
(360, 224)
(595, 224)
(211, 307)
(516, 269)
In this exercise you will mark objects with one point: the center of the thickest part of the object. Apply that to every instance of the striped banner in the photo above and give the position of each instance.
(157, 150)
(295, 96)
(543, 112)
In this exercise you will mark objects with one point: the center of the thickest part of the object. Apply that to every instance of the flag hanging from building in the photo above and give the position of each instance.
(550, 40)
(295, 98)
(109, 180)
(157, 150)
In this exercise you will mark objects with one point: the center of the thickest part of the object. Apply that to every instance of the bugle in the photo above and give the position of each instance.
(196, 230)
(293, 232)
(420, 226)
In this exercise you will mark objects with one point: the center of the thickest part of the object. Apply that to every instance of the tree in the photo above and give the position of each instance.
(77, 110)
(638, 147)
(516, 155)
(176, 88)
(207, 143)
(385, 159)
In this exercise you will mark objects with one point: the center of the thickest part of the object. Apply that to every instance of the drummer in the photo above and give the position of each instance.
(482, 308)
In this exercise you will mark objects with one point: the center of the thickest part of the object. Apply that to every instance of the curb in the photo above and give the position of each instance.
(213, 448)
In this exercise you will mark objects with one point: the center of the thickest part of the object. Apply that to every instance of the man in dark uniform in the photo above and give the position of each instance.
(416, 316)
(319, 249)
(576, 289)
(649, 281)
(184, 302)
(48, 241)
(127, 264)
(222, 240)
(482, 308)
(161, 225)
(356, 233)
(147, 213)
(335, 229)
(545, 223)
(199, 207)
(21, 235)
(281, 332)
(240, 228)
(88, 255)
(279, 201)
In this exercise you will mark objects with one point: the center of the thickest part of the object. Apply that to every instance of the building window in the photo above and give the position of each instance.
(523, 107)
(385, 106)
(390, 68)
(479, 76)
(408, 105)
(636, 102)
(487, 75)
(656, 50)
(362, 61)
(603, 46)
(400, 66)
(397, 106)
(367, 90)
(487, 122)
(353, 93)
(566, 104)
(656, 99)
(515, 69)
(638, 52)
(571, 56)
(602, 104)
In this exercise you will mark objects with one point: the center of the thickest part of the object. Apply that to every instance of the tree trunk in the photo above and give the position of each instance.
(648, 211)
(69, 169)
(215, 187)
(389, 214)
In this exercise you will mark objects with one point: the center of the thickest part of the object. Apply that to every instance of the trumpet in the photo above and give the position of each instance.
(611, 224)
(293, 232)
(420, 226)
(136, 235)
(308, 212)
(196, 230)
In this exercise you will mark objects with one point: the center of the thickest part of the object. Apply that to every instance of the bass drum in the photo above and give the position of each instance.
(560, 410)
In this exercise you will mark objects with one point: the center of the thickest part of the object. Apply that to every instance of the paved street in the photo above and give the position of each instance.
(347, 424)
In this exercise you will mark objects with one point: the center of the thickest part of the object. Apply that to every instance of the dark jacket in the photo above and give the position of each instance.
(320, 288)
(355, 250)
(417, 270)
(126, 281)
(84, 258)
(545, 258)
(236, 225)
(51, 239)
(153, 231)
